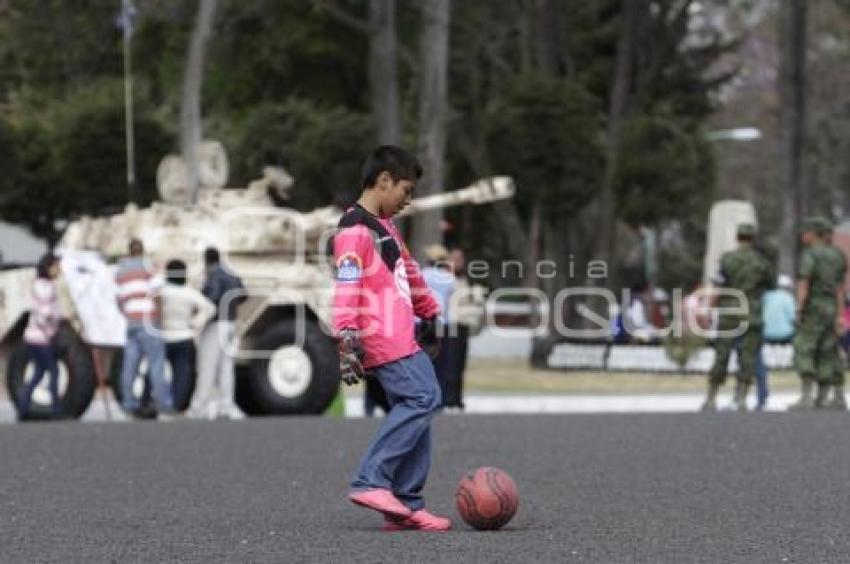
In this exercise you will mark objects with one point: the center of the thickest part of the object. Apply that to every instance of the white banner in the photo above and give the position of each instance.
(91, 283)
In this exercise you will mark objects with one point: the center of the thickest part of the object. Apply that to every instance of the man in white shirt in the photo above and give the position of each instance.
(185, 312)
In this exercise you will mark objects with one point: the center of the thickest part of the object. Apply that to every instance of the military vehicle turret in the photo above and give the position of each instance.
(286, 361)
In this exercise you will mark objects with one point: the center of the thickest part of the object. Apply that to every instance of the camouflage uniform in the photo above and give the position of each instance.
(816, 356)
(749, 271)
(838, 378)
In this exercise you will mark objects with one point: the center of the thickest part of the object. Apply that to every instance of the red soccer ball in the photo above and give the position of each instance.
(487, 498)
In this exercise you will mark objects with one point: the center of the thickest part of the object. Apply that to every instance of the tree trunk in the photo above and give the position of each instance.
(193, 78)
(621, 86)
(550, 45)
(383, 71)
(792, 119)
(433, 109)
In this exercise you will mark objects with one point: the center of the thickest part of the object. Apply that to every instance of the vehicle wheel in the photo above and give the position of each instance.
(76, 377)
(295, 379)
(141, 386)
(244, 391)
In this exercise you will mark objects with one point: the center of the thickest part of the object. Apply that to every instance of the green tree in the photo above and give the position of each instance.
(92, 159)
(322, 147)
(33, 197)
(663, 172)
(546, 134)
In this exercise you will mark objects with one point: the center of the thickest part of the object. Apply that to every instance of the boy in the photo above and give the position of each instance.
(377, 293)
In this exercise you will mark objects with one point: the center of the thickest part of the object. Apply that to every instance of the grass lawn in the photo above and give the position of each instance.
(517, 377)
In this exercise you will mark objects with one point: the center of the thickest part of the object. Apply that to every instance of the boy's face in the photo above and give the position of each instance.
(394, 195)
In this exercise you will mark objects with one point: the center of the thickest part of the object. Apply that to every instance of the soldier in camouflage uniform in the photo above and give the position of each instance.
(820, 278)
(750, 272)
(838, 401)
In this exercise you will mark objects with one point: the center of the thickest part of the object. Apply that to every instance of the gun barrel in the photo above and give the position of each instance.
(483, 191)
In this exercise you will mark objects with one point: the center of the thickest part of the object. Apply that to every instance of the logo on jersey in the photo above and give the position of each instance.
(401, 283)
(349, 268)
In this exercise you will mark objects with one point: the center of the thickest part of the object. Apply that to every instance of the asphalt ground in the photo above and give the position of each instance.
(771, 487)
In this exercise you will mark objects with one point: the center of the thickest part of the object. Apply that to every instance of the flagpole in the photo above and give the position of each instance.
(127, 11)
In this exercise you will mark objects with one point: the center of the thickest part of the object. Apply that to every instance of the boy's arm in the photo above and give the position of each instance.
(352, 249)
(352, 253)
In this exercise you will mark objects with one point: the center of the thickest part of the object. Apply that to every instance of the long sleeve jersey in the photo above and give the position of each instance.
(45, 313)
(380, 304)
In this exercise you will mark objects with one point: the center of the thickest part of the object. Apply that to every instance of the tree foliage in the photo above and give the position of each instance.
(287, 83)
(546, 133)
(663, 172)
(322, 147)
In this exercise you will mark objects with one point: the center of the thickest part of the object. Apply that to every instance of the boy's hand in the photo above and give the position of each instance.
(350, 353)
(426, 336)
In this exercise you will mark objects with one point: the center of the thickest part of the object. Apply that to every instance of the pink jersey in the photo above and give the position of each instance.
(381, 305)
(45, 313)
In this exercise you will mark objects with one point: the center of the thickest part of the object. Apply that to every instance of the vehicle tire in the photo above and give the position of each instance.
(146, 389)
(244, 392)
(76, 377)
(295, 379)
(142, 388)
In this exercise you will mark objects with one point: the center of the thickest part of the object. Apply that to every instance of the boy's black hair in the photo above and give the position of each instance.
(400, 165)
(211, 256)
(175, 272)
(44, 264)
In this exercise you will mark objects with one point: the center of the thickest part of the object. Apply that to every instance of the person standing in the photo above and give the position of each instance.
(214, 390)
(820, 278)
(138, 300)
(778, 312)
(440, 279)
(42, 327)
(839, 401)
(185, 311)
(377, 295)
(635, 321)
(749, 272)
(466, 318)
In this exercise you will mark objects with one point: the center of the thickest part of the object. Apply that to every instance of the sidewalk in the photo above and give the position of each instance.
(637, 403)
(511, 404)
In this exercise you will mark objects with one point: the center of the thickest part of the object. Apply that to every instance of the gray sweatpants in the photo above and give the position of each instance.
(214, 388)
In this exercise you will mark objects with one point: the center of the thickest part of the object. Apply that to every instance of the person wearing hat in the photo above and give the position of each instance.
(838, 401)
(748, 271)
(820, 278)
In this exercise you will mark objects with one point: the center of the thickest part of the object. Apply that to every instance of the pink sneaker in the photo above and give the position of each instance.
(383, 501)
(391, 526)
(420, 521)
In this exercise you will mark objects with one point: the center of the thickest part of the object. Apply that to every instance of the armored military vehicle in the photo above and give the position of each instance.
(286, 361)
